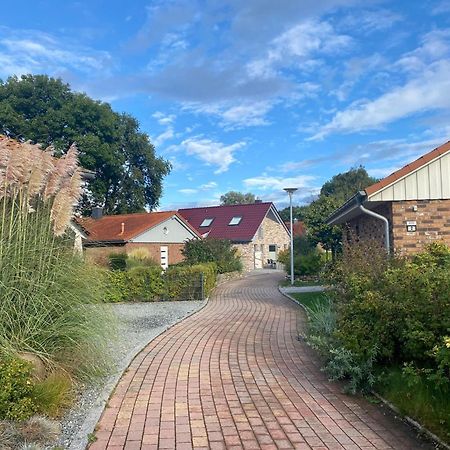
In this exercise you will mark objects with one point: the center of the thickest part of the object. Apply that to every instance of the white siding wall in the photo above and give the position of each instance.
(430, 182)
(170, 231)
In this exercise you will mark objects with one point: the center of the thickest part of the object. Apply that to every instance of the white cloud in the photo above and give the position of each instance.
(211, 152)
(266, 182)
(430, 91)
(30, 51)
(298, 44)
(188, 191)
(208, 186)
(434, 46)
(164, 119)
(248, 114)
(163, 137)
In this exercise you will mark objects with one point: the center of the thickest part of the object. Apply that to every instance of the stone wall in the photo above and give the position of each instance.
(100, 254)
(433, 224)
(271, 233)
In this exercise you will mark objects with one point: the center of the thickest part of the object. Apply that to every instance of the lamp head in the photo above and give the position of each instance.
(290, 190)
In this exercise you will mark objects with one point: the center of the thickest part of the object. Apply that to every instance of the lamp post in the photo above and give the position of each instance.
(290, 191)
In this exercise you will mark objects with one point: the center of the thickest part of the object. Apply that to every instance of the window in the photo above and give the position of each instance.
(207, 222)
(235, 220)
(272, 248)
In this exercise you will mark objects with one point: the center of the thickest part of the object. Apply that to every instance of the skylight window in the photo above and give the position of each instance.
(207, 222)
(236, 220)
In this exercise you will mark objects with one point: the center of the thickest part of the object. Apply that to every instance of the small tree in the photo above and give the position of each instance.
(219, 251)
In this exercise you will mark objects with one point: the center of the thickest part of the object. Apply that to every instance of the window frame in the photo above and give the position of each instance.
(238, 218)
(210, 219)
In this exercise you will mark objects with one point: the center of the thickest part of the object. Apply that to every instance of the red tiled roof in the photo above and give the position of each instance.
(298, 227)
(252, 215)
(393, 177)
(109, 228)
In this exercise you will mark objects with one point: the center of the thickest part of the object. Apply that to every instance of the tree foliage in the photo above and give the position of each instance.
(298, 212)
(237, 198)
(44, 110)
(332, 195)
(344, 185)
(220, 251)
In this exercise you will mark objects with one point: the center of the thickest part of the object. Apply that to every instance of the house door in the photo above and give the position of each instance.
(258, 257)
(164, 250)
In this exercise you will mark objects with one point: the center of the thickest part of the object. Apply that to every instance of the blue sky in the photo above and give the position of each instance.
(251, 95)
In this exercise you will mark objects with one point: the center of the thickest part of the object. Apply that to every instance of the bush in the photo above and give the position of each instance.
(136, 284)
(307, 259)
(16, 393)
(219, 251)
(118, 261)
(185, 282)
(390, 311)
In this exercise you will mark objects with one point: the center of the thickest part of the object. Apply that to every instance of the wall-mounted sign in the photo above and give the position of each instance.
(411, 225)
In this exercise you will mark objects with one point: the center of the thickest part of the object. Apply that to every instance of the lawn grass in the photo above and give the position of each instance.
(300, 283)
(310, 299)
(421, 400)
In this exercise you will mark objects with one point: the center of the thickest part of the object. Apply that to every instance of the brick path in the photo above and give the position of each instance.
(234, 376)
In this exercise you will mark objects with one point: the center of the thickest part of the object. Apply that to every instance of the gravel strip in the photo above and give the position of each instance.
(139, 323)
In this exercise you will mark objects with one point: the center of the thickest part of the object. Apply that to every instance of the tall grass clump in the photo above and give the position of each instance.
(49, 298)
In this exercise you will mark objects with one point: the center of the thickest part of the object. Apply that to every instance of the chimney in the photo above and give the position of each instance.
(258, 200)
(97, 212)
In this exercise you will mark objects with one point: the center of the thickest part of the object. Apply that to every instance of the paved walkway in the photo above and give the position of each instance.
(235, 376)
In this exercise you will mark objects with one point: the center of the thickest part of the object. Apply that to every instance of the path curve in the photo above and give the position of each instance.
(235, 376)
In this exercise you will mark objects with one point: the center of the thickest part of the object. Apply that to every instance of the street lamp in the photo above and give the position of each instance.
(290, 191)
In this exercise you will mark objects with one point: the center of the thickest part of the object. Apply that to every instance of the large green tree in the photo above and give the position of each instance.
(344, 185)
(45, 110)
(332, 195)
(237, 198)
(298, 212)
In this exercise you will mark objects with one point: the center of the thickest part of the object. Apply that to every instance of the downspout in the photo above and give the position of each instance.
(380, 217)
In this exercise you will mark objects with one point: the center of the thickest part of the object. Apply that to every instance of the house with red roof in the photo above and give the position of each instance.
(160, 234)
(256, 229)
(407, 209)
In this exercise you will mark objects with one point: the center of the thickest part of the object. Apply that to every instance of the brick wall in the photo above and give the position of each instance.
(272, 233)
(365, 227)
(433, 224)
(431, 216)
(99, 255)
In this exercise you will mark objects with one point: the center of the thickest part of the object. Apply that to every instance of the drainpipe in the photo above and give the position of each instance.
(380, 217)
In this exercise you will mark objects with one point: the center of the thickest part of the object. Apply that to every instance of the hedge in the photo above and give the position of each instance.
(152, 283)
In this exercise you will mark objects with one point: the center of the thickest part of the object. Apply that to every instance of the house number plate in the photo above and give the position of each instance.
(411, 225)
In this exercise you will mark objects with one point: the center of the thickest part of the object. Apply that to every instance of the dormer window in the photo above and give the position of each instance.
(236, 220)
(207, 222)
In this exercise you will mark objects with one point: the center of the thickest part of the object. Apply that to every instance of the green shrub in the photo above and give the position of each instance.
(16, 393)
(185, 282)
(219, 251)
(136, 284)
(307, 259)
(118, 261)
(145, 283)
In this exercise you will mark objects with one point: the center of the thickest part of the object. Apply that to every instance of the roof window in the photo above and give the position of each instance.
(236, 220)
(207, 222)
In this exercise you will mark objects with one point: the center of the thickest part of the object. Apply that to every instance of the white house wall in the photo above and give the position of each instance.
(430, 182)
(170, 231)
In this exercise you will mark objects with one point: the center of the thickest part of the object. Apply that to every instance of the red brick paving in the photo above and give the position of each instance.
(235, 376)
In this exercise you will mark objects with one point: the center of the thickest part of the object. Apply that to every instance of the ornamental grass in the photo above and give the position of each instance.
(50, 300)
